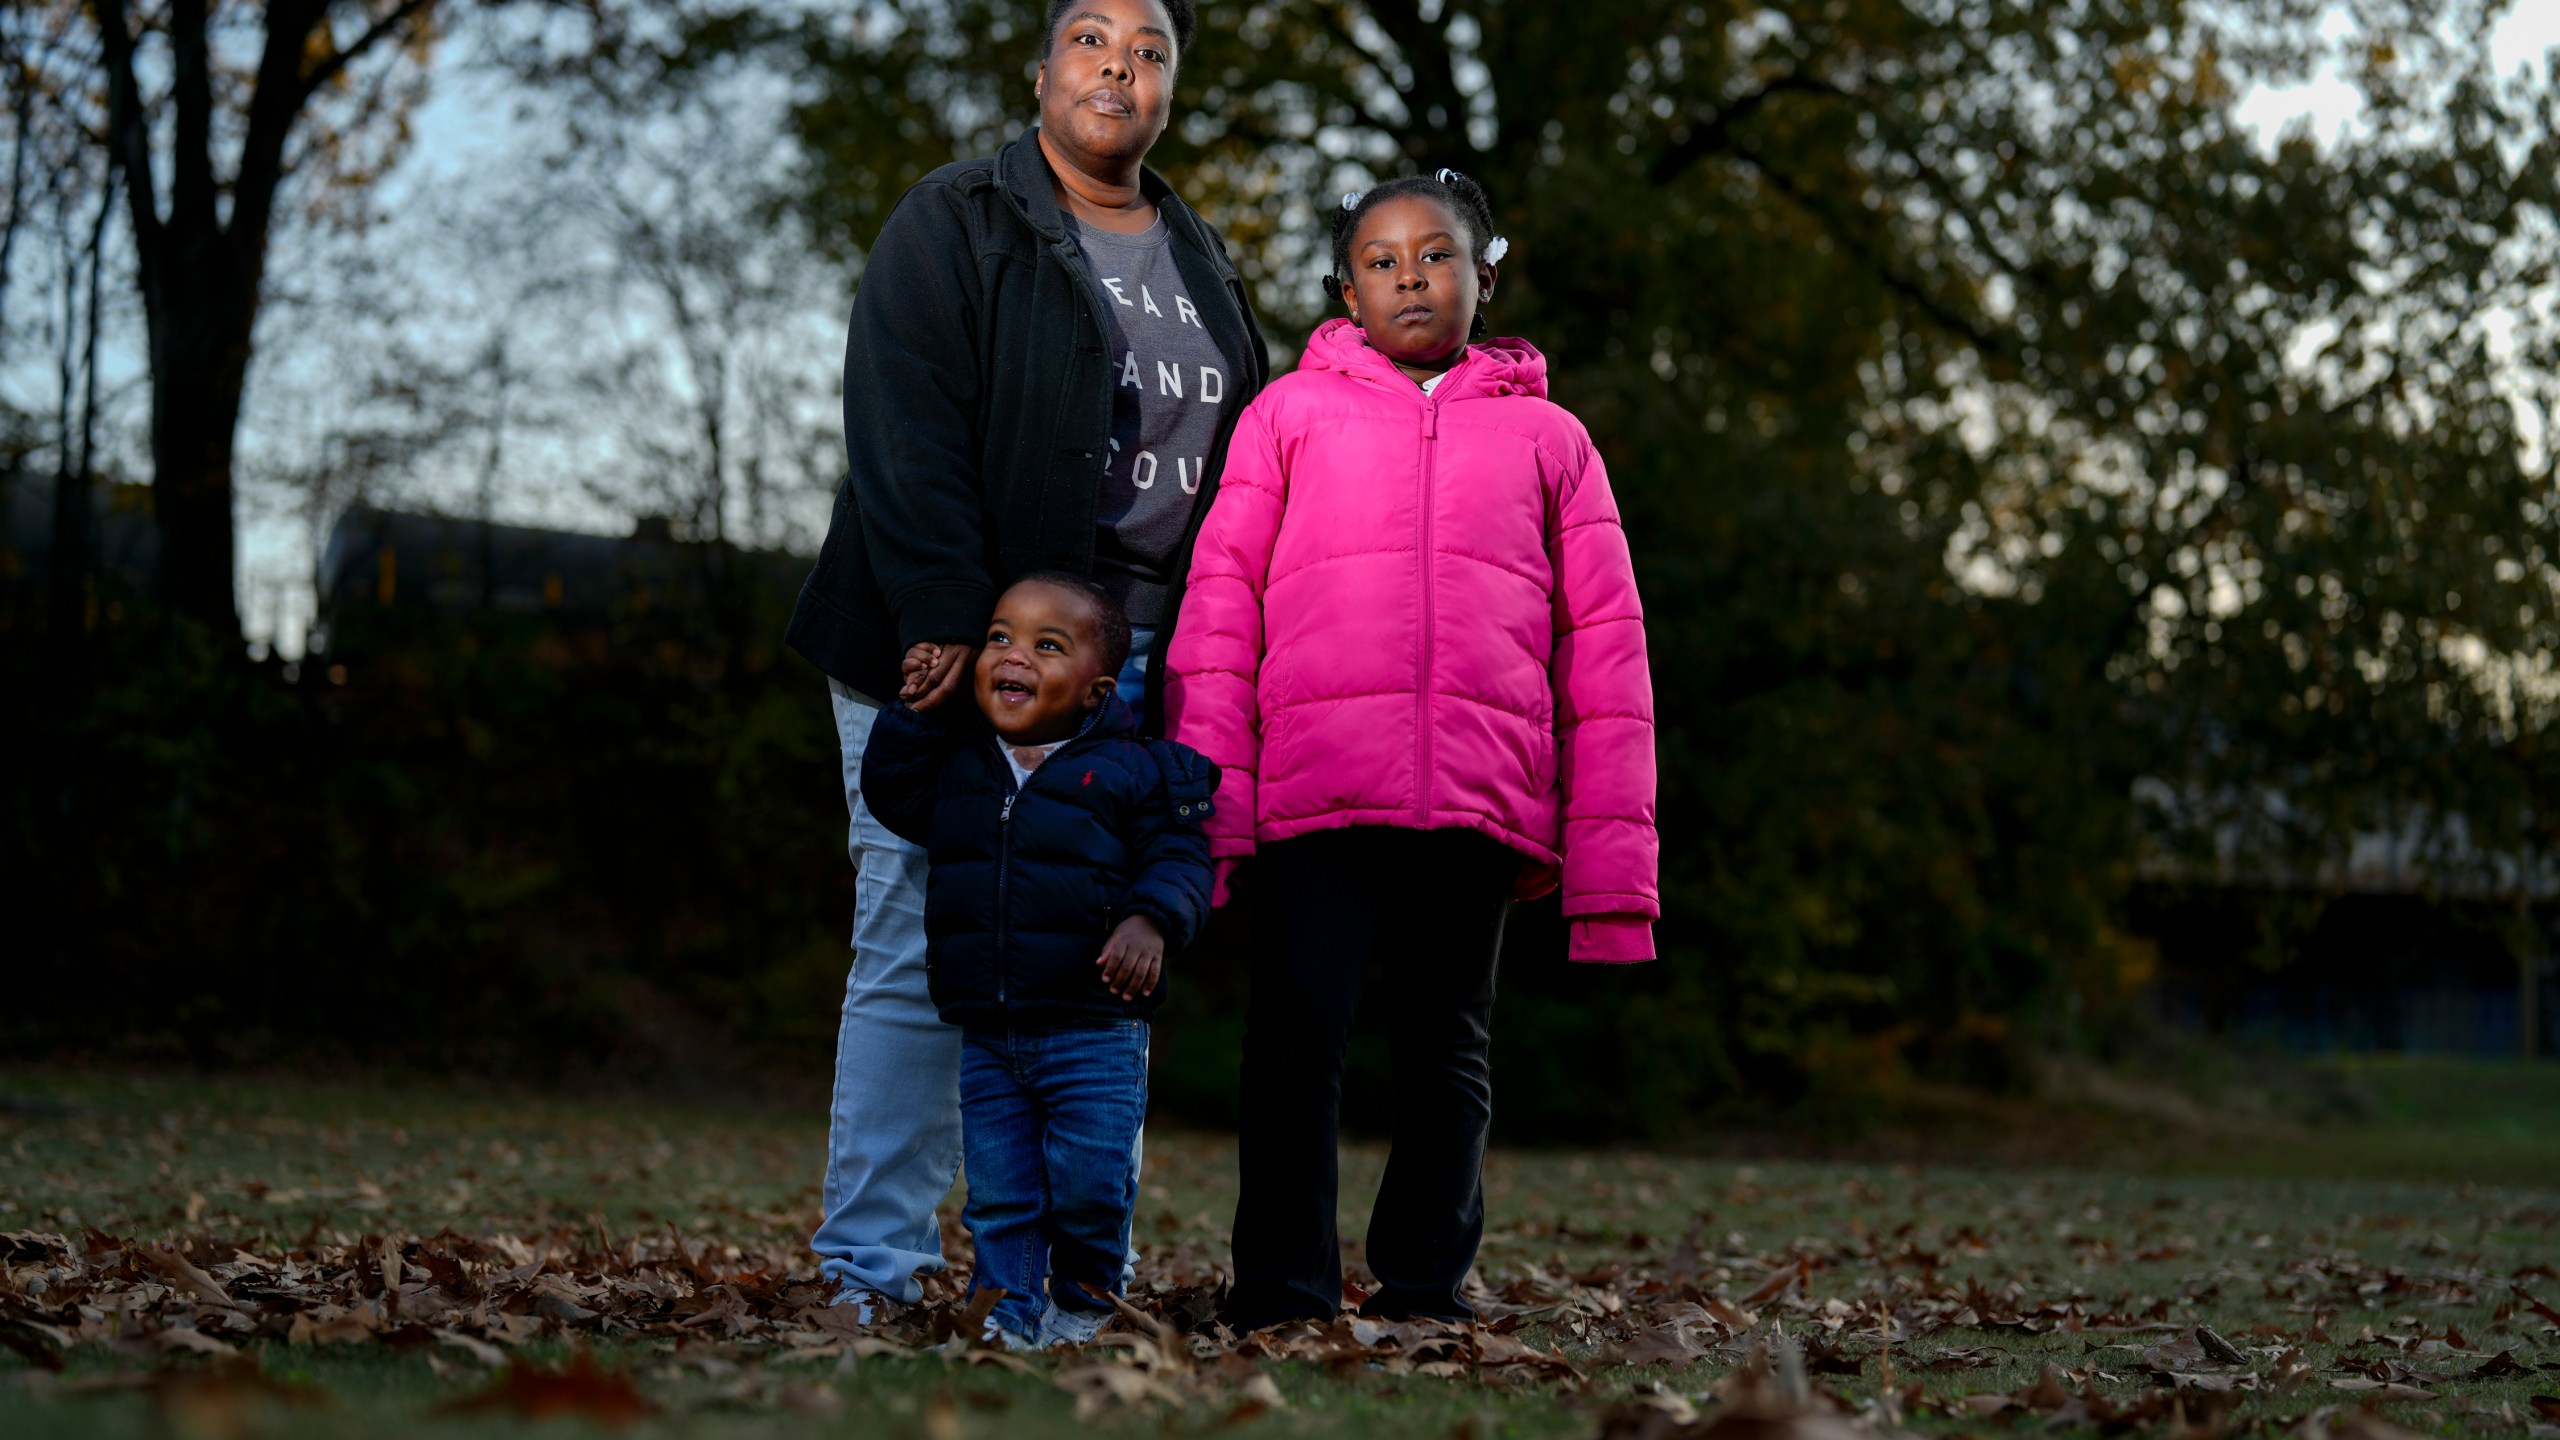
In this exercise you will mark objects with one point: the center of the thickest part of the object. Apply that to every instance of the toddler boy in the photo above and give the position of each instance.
(1066, 862)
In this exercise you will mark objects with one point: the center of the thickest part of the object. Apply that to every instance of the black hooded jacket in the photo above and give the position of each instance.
(1026, 883)
(977, 412)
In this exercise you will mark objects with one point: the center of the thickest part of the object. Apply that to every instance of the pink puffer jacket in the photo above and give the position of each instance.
(1417, 610)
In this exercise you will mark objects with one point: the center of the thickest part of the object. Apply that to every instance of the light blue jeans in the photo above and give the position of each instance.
(893, 1128)
(893, 1131)
(1133, 675)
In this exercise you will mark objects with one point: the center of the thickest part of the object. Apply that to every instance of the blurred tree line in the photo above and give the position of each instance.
(2037, 479)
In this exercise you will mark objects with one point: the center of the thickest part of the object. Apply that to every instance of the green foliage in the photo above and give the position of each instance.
(1998, 423)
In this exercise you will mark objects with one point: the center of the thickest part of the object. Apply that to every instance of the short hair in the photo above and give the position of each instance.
(1465, 199)
(1184, 13)
(1110, 622)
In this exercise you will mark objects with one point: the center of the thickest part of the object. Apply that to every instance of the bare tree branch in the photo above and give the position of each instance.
(382, 29)
(1714, 134)
(75, 472)
(1337, 19)
(129, 140)
(1424, 45)
(274, 107)
(192, 186)
(370, 105)
(24, 114)
(1946, 316)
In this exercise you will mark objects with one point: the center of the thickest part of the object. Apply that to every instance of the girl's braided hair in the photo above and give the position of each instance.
(1464, 197)
(1185, 15)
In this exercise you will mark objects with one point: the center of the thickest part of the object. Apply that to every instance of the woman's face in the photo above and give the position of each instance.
(1106, 85)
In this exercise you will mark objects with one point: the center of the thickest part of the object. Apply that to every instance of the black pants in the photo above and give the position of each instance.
(1427, 907)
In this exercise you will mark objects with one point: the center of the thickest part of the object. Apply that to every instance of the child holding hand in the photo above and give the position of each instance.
(1412, 643)
(1065, 864)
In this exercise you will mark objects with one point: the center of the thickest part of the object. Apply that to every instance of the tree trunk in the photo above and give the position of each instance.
(75, 480)
(199, 366)
(202, 273)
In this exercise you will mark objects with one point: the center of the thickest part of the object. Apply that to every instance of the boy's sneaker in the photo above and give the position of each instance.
(1062, 1326)
(996, 1334)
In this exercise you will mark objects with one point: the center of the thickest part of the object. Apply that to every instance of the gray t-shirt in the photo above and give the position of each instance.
(1170, 389)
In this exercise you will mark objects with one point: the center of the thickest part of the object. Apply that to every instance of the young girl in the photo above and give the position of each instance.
(1412, 642)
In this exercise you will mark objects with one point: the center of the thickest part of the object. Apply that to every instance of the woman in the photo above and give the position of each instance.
(1048, 352)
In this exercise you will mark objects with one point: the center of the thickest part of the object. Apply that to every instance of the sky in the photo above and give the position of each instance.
(2330, 104)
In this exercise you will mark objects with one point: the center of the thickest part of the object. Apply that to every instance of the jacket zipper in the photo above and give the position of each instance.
(1004, 873)
(1004, 855)
(1422, 655)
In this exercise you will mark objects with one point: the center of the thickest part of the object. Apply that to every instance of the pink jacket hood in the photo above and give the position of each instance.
(1417, 610)
(1504, 365)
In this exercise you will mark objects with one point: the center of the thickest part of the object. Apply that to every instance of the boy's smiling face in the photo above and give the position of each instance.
(1041, 670)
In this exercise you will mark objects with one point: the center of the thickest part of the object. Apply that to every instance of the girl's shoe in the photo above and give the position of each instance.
(1071, 1327)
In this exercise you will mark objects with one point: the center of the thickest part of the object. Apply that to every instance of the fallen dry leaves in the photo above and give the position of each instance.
(1782, 1354)
(581, 1388)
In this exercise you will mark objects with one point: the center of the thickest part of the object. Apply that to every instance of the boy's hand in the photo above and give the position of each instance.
(1133, 958)
(912, 669)
(934, 673)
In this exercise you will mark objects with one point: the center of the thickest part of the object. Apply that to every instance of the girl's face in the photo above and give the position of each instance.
(1106, 86)
(1414, 285)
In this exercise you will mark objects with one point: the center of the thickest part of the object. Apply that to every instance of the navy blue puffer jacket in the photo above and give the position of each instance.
(1026, 885)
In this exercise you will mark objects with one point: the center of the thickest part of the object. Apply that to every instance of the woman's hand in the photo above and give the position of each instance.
(1133, 958)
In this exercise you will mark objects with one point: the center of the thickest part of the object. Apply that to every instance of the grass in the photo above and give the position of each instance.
(2381, 1218)
(2409, 1118)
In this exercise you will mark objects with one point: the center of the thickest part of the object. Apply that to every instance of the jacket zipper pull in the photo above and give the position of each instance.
(1005, 815)
(1430, 419)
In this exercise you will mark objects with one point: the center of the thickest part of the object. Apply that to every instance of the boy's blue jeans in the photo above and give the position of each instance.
(893, 1134)
(1051, 1120)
